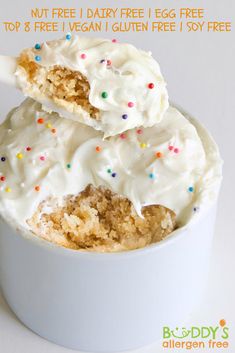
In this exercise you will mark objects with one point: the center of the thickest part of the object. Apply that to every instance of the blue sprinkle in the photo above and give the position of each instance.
(191, 189)
(114, 175)
(102, 61)
(3, 159)
(37, 46)
(124, 116)
(38, 58)
(68, 36)
(151, 176)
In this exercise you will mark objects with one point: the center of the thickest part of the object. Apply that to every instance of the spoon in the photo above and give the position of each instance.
(8, 65)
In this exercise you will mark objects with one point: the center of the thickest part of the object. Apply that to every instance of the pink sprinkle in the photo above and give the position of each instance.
(123, 136)
(28, 149)
(139, 131)
(176, 150)
(42, 158)
(109, 62)
(170, 148)
(83, 56)
(130, 104)
(114, 40)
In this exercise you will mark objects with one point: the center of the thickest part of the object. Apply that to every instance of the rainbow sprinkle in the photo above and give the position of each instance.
(159, 154)
(98, 149)
(123, 136)
(151, 85)
(20, 155)
(104, 95)
(40, 121)
(152, 176)
(143, 145)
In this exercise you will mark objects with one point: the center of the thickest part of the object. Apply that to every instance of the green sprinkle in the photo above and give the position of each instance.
(69, 166)
(104, 95)
(109, 171)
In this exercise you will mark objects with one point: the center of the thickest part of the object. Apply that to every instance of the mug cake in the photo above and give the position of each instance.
(96, 159)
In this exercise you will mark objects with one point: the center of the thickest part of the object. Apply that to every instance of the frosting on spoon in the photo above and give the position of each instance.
(126, 84)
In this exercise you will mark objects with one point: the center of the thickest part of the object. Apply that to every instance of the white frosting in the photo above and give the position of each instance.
(195, 164)
(125, 80)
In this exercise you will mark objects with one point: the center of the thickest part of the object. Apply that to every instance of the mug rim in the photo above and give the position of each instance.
(174, 236)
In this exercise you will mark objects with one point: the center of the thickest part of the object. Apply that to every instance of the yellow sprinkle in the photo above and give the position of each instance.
(143, 145)
(19, 155)
(8, 189)
(48, 125)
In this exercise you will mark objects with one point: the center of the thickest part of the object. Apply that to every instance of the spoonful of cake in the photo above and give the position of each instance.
(110, 86)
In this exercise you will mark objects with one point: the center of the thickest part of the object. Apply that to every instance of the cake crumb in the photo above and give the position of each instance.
(67, 88)
(100, 220)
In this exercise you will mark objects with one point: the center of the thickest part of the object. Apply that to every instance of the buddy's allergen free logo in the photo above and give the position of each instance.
(203, 337)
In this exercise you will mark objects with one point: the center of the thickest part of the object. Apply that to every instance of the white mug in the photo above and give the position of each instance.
(106, 302)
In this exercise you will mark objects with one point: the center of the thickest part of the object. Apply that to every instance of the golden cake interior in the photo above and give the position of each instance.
(65, 87)
(99, 220)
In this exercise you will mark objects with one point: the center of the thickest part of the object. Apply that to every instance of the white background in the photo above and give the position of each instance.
(199, 69)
